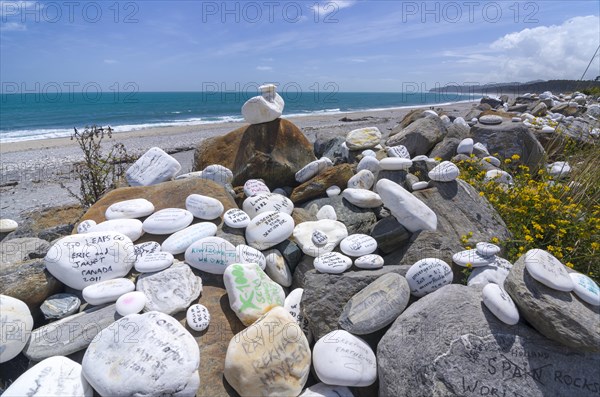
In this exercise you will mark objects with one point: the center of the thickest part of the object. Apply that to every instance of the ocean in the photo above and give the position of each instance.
(31, 116)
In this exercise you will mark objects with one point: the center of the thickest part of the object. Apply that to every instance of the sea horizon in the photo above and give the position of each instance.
(34, 116)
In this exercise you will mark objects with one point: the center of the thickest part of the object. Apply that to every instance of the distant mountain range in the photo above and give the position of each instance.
(516, 88)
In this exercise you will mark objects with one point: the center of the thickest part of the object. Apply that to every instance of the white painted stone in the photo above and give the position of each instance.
(16, 323)
(264, 108)
(322, 390)
(333, 191)
(358, 245)
(149, 247)
(445, 119)
(497, 300)
(319, 238)
(444, 172)
(334, 230)
(332, 262)
(8, 225)
(277, 269)
(368, 152)
(236, 218)
(252, 187)
(198, 317)
(251, 292)
(54, 376)
(129, 209)
(86, 225)
(204, 207)
(362, 180)
(559, 169)
(153, 167)
(363, 138)
(420, 185)
(132, 228)
(368, 163)
(217, 173)
(107, 291)
(480, 147)
(548, 270)
(371, 261)
(487, 249)
(167, 221)
(461, 121)
(495, 272)
(131, 303)
(465, 146)
(340, 358)
(268, 229)
(410, 212)
(421, 157)
(80, 260)
(492, 160)
(586, 288)
(395, 164)
(293, 304)
(247, 254)
(547, 129)
(499, 176)
(153, 355)
(153, 262)
(362, 198)
(312, 169)
(473, 257)
(490, 119)
(171, 290)
(428, 275)
(516, 119)
(179, 241)
(266, 202)
(211, 255)
(327, 212)
(398, 151)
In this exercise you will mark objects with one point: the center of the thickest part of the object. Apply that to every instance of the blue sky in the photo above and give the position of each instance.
(356, 45)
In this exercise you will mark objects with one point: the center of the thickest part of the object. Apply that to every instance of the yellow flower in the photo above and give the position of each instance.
(481, 194)
(495, 240)
(469, 265)
(515, 157)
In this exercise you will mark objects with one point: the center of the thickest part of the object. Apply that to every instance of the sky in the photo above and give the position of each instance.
(351, 45)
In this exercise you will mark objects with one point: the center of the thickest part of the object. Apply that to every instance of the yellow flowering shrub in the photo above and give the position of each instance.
(562, 217)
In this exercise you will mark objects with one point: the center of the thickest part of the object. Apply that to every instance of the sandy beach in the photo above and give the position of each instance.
(31, 172)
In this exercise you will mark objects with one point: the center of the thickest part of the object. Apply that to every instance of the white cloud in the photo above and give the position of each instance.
(13, 27)
(110, 61)
(544, 52)
(330, 7)
(264, 68)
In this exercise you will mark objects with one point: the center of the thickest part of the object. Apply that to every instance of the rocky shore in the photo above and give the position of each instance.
(302, 257)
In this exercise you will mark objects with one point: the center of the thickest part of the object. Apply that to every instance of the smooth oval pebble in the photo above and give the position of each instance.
(492, 160)
(465, 146)
(198, 317)
(129, 209)
(332, 263)
(312, 169)
(340, 358)
(398, 151)
(107, 291)
(395, 164)
(490, 119)
(131, 303)
(267, 202)
(276, 268)
(204, 207)
(236, 218)
(327, 212)
(153, 262)
(333, 191)
(363, 138)
(499, 176)
(428, 275)
(59, 306)
(358, 245)
(247, 254)
(8, 225)
(362, 180)
(86, 225)
(408, 210)
(179, 241)
(55, 376)
(446, 171)
(472, 257)
(132, 228)
(167, 221)
(362, 198)
(500, 304)
(13, 311)
(268, 229)
(146, 248)
(368, 152)
(334, 230)
(319, 238)
(586, 288)
(487, 249)
(371, 261)
(548, 270)
(252, 187)
(419, 185)
(211, 255)
(368, 163)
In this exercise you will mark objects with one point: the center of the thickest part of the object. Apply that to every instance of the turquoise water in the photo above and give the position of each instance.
(49, 115)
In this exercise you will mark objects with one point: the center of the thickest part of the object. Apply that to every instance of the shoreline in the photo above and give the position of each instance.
(32, 172)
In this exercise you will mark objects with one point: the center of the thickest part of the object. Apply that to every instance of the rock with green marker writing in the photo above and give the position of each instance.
(251, 292)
